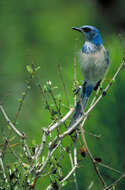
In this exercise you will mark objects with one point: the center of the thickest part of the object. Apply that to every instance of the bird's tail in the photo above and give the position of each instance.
(81, 104)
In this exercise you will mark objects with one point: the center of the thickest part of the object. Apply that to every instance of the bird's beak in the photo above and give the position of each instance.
(76, 28)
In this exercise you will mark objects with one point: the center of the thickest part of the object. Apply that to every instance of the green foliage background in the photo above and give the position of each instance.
(40, 32)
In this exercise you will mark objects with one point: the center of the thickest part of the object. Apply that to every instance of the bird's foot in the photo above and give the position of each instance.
(103, 91)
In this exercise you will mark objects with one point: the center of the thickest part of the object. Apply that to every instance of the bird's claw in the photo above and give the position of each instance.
(103, 91)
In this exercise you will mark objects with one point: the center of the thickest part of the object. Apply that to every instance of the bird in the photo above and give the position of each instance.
(94, 62)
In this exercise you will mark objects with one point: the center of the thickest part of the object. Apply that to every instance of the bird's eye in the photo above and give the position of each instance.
(86, 29)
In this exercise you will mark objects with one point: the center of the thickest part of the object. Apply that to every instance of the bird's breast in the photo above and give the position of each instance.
(93, 65)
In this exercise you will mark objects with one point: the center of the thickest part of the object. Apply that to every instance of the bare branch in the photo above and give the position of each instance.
(64, 86)
(69, 174)
(50, 153)
(2, 167)
(60, 121)
(115, 182)
(10, 123)
(91, 157)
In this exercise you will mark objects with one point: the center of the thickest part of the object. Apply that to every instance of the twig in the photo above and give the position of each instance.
(115, 182)
(22, 100)
(69, 174)
(110, 168)
(11, 124)
(64, 86)
(50, 153)
(90, 186)
(75, 164)
(2, 167)
(54, 100)
(41, 148)
(26, 149)
(91, 157)
(93, 135)
(60, 121)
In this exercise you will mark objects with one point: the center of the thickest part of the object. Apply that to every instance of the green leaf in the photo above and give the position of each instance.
(29, 69)
(37, 68)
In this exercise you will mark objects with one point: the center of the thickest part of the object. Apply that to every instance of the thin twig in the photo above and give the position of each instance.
(91, 157)
(26, 149)
(69, 174)
(54, 100)
(63, 83)
(50, 153)
(2, 167)
(41, 148)
(24, 94)
(75, 164)
(10, 123)
(110, 168)
(60, 121)
(93, 135)
(115, 182)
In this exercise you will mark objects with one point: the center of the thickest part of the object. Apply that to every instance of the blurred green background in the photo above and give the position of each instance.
(40, 32)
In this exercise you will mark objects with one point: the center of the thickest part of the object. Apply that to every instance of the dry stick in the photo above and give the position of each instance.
(74, 126)
(44, 96)
(54, 100)
(2, 167)
(41, 148)
(115, 182)
(60, 121)
(50, 153)
(73, 164)
(17, 157)
(57, 107)
(41, 89)
(93, 135)
(64, 86)
(11, 124)
(110, 168)
(39, 151)
(91, 157)
(69, 174)
(25, 146)
(22, 101)
(26, 149)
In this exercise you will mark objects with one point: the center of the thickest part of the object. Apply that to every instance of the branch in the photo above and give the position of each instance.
(69, 174)
(50, 153)
(2, 167)
(60, 121)
(91, 157)
(11, 124)
(115, 182)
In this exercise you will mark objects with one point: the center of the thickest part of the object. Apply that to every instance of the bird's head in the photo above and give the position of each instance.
(91, 34)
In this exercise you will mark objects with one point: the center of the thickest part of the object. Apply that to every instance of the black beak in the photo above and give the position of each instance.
(76, 28)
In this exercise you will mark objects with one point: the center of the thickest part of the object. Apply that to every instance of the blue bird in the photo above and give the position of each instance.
(94, 61)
